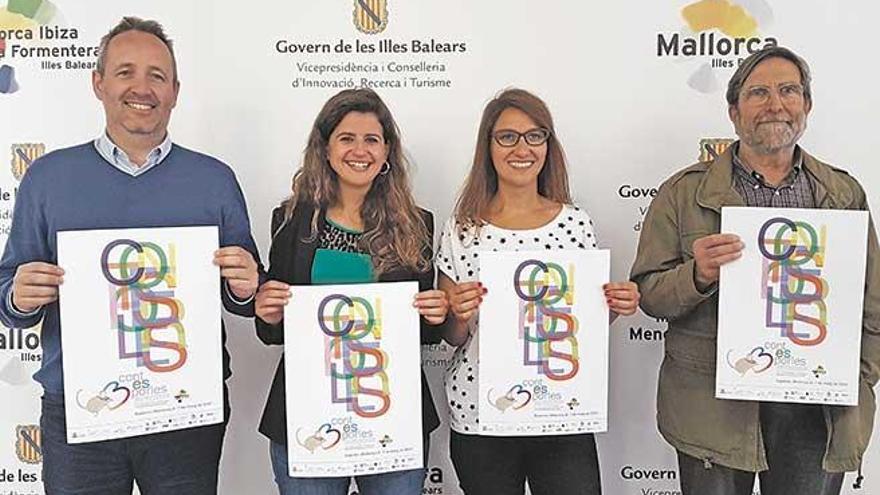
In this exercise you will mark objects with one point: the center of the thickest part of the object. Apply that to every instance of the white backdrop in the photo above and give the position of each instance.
(628, 117)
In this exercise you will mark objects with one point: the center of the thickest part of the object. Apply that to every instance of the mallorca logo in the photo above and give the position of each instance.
(712, 148)
(370, 16)
(28, 445)
(23, 155)
(727, 31)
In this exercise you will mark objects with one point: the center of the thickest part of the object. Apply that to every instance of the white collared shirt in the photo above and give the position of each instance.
(115, 156)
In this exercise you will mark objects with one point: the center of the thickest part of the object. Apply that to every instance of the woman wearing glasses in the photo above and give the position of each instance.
(351, 219)
(516, 197)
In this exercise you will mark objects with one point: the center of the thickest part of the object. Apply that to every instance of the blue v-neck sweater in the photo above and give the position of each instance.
(75, 189)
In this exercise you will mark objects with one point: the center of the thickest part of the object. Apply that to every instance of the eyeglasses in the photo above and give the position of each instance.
(758, 95)
(507, 138)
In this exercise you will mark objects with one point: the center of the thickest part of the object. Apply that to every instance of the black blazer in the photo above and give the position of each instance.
(290, 261)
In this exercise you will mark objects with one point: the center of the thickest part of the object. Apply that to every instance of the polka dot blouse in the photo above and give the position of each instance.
(458, 258)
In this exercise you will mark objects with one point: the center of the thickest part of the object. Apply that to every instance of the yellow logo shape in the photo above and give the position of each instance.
(370, 16)
(724, 15)
(12, 20)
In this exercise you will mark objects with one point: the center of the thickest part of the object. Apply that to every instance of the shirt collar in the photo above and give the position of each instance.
(119, 159)
(746, 171)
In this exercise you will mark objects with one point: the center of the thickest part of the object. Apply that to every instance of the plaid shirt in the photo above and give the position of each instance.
(795, 191)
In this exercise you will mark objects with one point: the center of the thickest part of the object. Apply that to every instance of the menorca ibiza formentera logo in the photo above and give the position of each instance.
(35, 36)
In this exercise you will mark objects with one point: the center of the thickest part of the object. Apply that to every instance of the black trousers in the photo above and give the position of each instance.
(552, 465)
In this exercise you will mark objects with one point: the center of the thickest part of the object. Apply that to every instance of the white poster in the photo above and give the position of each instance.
(543, 343)
(790, 309)
(140, 331)
(353, 369)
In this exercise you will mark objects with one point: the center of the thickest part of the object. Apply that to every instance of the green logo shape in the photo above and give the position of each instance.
(41, 11)
(27, 8)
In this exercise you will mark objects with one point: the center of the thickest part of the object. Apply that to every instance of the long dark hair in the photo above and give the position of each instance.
(394, 231)
(482, 180)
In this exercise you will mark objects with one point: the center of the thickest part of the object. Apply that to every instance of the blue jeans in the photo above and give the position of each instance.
(183, 462)
(794, 441)
(396, 483)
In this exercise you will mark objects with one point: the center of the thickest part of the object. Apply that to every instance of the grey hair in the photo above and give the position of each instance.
(734, 86)
(130, 23)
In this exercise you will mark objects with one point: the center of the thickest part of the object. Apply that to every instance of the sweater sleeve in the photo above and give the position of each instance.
(235, 230)
(28, 241)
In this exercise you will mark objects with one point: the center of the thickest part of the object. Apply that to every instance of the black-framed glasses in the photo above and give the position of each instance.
(508, 138)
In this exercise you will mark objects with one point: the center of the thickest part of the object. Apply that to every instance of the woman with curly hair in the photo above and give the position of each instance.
(350, 218)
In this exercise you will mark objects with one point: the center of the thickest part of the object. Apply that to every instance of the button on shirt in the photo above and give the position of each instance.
(795, 191)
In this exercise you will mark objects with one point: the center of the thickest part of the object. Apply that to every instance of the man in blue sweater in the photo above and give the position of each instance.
(131, 176)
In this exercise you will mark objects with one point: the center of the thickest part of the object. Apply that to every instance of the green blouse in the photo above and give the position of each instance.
(339, 258)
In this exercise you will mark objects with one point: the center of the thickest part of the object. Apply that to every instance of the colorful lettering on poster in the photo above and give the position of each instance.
(354, 360)
(143, 310)
(546, 326)
(792, 283)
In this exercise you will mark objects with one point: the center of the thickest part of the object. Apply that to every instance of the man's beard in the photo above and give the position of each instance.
(768, 141)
